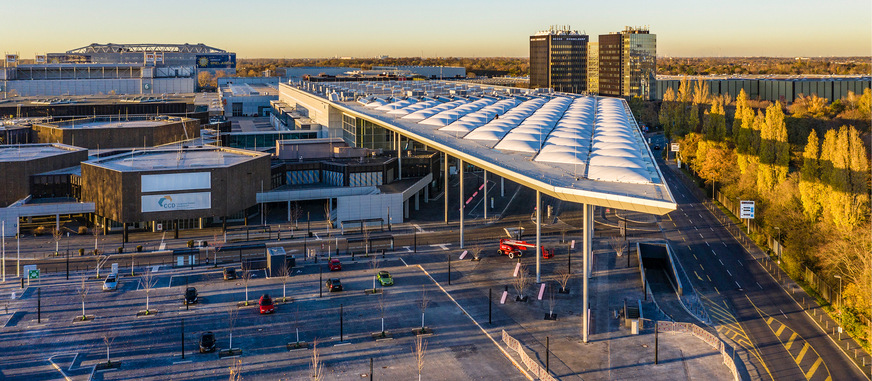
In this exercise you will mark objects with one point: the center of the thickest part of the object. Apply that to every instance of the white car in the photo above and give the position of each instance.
(111, 283)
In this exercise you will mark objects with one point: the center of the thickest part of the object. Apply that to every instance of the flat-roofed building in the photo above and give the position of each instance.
(628, 63)
(558, 60)
(19, 162)
(108, 132)
(193, 186)
(247, 99)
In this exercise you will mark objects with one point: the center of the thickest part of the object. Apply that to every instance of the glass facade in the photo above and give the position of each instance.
(558, 60)
(627, 63)
(264, 139)
(365, 134)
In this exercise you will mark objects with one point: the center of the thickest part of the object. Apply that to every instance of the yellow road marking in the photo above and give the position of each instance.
(710, 278)
(716, 289)
(778, 333)
(802, 352)
(769, 321)
(700, 266)
(790, 341)
(813, 368)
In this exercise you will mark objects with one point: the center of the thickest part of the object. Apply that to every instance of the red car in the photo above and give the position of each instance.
(266, 304)
(334, 265)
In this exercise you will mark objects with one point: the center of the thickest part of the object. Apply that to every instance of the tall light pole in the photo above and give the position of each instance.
(841, 309)
(778, 229)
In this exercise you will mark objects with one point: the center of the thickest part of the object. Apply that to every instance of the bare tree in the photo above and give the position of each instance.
(57, 235)
(423, 304)
(521, 282)
(284, 275)
(316, 370)
(328, 213)
(373, 264)
(232, 314)
(419, 349)
(476, 252)
(83, 293)
(617, 244)
(147, 283)
(381, 308)
(297, 322)
(246, 278)
(563, 276)
(296, 213)
(236, 371)
(366, 242)
(101, 260)
(108, 338)
(551, 301)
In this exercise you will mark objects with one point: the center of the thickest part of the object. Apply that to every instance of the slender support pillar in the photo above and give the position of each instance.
(485, 194)
(538, 250)
(445, 189)
(460, 171)
(502, 187)
(585, 254)
(590, 209)
(400, 155)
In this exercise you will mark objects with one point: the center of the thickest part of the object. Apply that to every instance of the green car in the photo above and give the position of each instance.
(385, 279)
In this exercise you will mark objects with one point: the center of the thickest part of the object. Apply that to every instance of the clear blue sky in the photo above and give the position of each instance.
(299, 29)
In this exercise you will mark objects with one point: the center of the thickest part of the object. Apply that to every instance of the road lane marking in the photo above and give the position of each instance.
(728, 272)
(802, 352)
(738, 285)
(707, 244)
(782, 313)
(740, 263)
(709, 278)
(790, 341)
(697, 275)
(694, 257)
(780, 329)
(814, 368)
(725, 244)
(758, 285)
(700, 235)
(722, 262)
(444, 246)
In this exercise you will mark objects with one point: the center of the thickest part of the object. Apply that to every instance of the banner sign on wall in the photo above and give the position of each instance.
(176, 182)
(176, 201)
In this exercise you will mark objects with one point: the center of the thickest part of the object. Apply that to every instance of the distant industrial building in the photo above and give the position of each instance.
(114, 69)
(430, 72)
(19, 162)
(628, 63)
(200, 56)
(296, 74)
(194, 186)
(558, 60)
(103, 132)
(244, 99)
(783, 88)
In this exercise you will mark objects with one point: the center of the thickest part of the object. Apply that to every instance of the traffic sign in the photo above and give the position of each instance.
(33, 274)
(674, 147)
(746, 209)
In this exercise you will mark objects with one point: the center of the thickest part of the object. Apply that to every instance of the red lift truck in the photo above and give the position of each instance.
(514, 247)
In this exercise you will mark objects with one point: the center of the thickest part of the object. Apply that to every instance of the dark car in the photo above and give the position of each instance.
(229, 273)
(266, 304)
(656, 147)
(334, 284)
(191, 295)
(207, 342)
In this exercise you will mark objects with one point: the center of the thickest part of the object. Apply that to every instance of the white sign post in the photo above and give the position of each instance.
(746, 212)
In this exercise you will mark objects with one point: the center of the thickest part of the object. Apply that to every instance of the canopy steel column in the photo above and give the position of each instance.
(485, 194)
(400, 154)
(460, 171)
(586, 249)
(538, 235)
(445, 189)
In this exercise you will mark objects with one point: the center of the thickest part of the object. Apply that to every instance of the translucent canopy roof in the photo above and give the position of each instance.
(577, 148)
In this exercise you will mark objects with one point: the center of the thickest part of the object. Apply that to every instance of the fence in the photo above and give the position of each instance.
(532, 364)
(728, 353)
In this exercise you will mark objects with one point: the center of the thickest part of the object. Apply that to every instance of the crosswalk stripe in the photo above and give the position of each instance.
(790, 341)
(798, 358)
(813, 368)
(778, 332)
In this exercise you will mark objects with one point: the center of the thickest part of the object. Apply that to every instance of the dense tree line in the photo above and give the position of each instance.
(814, 192)
(762, 65)
(486, 66)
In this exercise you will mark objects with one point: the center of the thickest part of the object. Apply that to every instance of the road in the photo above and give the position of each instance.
(745, 303)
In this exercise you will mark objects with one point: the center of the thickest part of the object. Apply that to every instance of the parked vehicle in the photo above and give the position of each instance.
(514, 247)
(385, 278)
(207, 342)
(191, 295)
(266, 304)
(229, 273)
(334, 265)
(334, 284)
(111, 283)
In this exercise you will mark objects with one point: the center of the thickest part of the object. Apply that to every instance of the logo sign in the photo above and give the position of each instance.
(746, 209)
(216, 61)
(40, 58)
(33, 274)
(177, 201)
(11, 58)
(149, 58)
(674, 147)
(159, 57)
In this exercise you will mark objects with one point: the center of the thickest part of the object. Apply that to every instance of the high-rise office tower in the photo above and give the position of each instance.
(593, 67)
(558, 60)
(627, 63)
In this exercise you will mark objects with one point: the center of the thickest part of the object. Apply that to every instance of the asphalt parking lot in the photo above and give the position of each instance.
(150, 346)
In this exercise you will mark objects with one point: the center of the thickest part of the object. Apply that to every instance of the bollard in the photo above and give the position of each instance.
(22, 282)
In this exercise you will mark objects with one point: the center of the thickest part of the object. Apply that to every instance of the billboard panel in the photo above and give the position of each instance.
(176, 201)
(176, 182)
(216, 61)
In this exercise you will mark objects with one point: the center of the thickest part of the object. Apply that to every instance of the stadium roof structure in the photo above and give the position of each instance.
(125, 48)
(581, 149)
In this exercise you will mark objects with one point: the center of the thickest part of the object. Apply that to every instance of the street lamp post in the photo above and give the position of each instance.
(841, 308)
(778, 241)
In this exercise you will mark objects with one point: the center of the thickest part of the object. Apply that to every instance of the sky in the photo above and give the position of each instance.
(459, 28)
